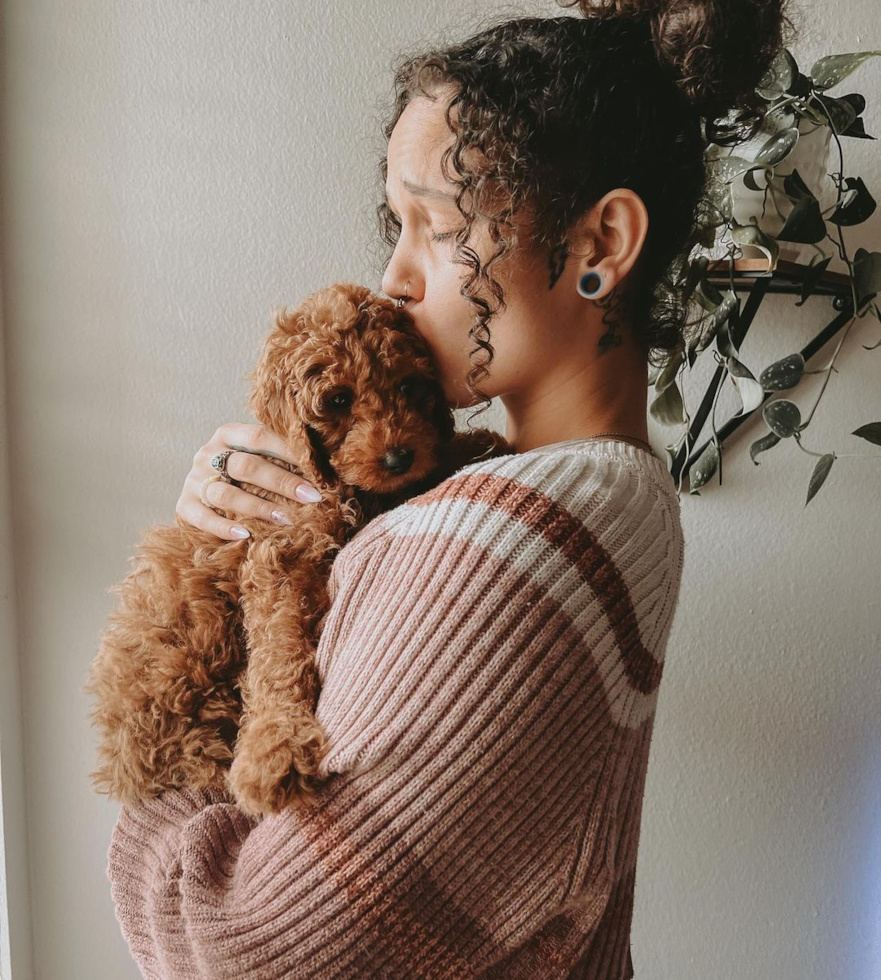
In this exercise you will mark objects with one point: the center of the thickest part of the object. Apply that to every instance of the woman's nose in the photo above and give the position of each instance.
(400, 275)
(394, 283)
(389, 286)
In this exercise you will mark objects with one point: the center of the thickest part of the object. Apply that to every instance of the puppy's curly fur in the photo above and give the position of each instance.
(206, 671)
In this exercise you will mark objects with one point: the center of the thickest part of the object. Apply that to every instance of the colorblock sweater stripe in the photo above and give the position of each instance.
(490, 667)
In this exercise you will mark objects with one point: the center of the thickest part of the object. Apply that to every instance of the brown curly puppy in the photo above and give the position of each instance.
(349, 385)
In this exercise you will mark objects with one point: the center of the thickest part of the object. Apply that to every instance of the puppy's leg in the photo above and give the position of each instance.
(164, 677)
(280, 743)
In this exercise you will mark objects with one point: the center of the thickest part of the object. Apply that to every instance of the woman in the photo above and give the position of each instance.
(491, 660)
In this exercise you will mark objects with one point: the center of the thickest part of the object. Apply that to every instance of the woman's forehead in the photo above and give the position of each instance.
(421, 132)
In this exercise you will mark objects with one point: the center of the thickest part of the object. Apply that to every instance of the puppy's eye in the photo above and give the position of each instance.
(338, 401)
(412, 386)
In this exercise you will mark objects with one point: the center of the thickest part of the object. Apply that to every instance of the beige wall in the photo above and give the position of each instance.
(174, 170)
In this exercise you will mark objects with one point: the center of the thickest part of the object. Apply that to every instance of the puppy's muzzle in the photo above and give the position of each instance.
(397, 460)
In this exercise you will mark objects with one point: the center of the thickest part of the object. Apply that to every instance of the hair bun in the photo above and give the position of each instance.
(718, 50)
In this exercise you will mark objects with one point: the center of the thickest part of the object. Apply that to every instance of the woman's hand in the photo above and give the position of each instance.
(243, 465)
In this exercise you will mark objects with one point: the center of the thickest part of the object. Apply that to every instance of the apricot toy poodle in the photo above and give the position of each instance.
(206, 674)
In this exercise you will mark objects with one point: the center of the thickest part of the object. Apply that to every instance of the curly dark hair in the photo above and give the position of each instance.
(557, 111)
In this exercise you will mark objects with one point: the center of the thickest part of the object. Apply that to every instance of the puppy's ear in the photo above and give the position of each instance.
(273, 399)
(312, 457)
(443, 418)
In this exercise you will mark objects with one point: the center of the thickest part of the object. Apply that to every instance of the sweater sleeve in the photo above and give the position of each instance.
(483, 689)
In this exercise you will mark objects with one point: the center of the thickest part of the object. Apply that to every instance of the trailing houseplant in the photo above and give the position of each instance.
(798, 106)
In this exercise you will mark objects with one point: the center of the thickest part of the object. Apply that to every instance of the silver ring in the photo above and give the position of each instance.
(219, 463)
(399, 302)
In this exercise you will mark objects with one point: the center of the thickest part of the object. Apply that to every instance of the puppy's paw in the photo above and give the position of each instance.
(276, 760)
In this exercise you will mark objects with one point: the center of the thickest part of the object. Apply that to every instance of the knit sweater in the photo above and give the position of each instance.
(489, 666)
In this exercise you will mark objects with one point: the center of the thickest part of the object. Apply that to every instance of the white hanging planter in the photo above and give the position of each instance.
(810, 157)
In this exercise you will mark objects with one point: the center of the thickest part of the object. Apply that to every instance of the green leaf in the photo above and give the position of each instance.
(779, 77)
(763, 444)
(870, 431)
(858, 130)
(753, 236)
(783, 374)
(703, 467)
(726, 169)
(703, 342)
(812, 113)
(782, 417)
(780, 116)
(706, 237)
(668, 408)
(708, 295)
(778, 147)
(833, 68)
(750, 180)
(859, 208)
(722, 316)
(696, 271)
(717, 203)
(857, 101)
(866, 274)
(821, 471)
(801, 86)
(841, 113)
(857, 127)
(669, 373)
(752, 394)
(804, 223)
(796, 188)
(813, 275)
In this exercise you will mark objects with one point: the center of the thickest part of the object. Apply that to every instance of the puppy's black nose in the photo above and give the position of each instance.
(398, 459)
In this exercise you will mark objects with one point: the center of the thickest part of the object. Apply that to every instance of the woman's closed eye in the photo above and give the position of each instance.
(437, 236)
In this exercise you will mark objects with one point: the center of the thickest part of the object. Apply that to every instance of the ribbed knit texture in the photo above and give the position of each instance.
(490, 667)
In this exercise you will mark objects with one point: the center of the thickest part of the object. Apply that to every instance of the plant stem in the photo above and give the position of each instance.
(688, 447)
(836, 455)
(843, 253)
(830, 368)
(723, 363)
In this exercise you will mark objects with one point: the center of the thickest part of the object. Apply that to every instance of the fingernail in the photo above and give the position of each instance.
(307, 494)
(280, 518)
(239, 532)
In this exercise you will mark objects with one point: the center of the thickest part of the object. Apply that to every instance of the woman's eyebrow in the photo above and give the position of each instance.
(432, 193)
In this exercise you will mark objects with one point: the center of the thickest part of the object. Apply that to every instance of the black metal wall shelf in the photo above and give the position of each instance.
(751, 276)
